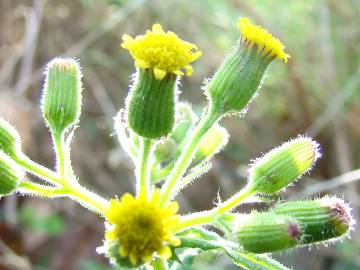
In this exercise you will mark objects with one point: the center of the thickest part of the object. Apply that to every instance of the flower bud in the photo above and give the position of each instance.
(151, 104)
(283, 165)
(185, 120)
(61, 102)
(214, 140)
(165, 150)
(160, 58)
(10, 175)
(266, 232)
(321, 219)
(236, 81)
(10, 141)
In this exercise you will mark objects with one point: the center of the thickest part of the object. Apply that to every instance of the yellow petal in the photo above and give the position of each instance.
(165, 253)
(159, 73)
(157, 28)
(189, 70)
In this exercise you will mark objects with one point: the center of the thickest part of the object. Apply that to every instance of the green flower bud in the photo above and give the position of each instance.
(214, 140)
(321, 219)
(61, 102)
(237, 80)
(151, 104)
(184, 123)
(283, 165)
(266, 232)
(10, 175)
(165, 150)
(10, 141)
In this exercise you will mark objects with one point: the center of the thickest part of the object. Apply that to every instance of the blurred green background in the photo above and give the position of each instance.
(316, 93)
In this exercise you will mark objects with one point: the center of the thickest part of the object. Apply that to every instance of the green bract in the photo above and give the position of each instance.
(320, 219)
(151, 104)
(266, 232)
(10, 142)
(10, 175)
(236, 81)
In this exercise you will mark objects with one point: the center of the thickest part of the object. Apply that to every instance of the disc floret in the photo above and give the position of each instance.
(266, 43)
(164, 52)
(142, 227)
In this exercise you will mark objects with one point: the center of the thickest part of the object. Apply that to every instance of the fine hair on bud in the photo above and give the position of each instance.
(10, 141)
(325, 219)
(61, 100)
(266, 232)
(10, 175)
(151, 104)
(283, 165)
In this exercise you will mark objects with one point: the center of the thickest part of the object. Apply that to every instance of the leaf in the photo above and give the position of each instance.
(187, 259)
(207, 240)
(253, 261)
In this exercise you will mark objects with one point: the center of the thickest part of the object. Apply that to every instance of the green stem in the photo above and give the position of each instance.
(87, 198)
(171, 184)
(60, 153)
(234, 200)
(194, 219)
(158, 175)
(143, 174)
(208, 217)
(37, 169)
(41, 190)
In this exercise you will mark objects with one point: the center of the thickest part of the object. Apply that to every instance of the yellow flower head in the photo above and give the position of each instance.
(142, 227)
(162, 51)
(265, 42)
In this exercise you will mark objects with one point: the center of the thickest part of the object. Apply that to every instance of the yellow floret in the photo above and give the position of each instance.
(162, 51)
(142, 228)
(265, 42)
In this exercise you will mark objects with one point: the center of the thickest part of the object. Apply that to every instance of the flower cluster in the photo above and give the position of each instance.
(171, 147)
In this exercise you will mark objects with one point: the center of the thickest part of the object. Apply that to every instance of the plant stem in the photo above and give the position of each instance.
(143, 174)
(37, 169)
(60, 153)
(209, 216)
(234, 200)
(87, 198)
(194, 219)
(41, 190)
(171, 184)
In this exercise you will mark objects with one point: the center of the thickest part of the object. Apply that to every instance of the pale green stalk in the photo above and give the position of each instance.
(143, 174)
(171, 185)
(208, 217)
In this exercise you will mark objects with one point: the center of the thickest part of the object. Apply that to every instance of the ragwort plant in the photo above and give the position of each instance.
(171, 147)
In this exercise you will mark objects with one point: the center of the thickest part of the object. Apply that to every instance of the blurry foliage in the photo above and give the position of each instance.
(322, 36)
(52, 224)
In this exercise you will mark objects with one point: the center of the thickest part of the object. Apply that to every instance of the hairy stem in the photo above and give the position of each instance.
(38, 170)
(143, 174)
(172, 184)
(60, 153)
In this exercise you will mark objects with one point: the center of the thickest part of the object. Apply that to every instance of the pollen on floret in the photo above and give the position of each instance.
(265, 42)
(142, 228)
(163, 52)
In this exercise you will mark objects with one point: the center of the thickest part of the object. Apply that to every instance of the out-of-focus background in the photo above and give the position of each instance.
(316, 93)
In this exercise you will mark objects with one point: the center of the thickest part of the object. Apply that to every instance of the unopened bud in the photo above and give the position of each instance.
(186, 119)
(10, 175)
(61, 103)
(321, 219)
(283, 165)
(10, 141)
(214, 140)
(266, 232)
